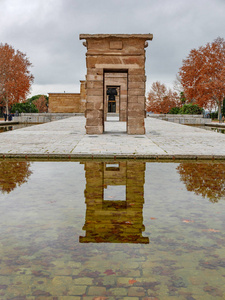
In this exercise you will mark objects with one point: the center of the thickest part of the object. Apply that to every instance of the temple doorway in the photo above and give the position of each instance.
(115, 101)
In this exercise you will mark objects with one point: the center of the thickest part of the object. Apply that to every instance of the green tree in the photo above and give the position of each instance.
(26, 107)
(191, 109)
(36, 97)
(174, 110)
(182, 98)
(223, 107)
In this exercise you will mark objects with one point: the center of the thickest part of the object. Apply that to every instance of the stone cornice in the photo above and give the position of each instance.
(147, 36)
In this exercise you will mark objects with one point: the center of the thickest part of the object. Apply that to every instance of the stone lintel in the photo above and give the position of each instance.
(146, 37)
(95, 53)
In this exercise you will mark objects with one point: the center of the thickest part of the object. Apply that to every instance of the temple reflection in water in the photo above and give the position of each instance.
(114, 202)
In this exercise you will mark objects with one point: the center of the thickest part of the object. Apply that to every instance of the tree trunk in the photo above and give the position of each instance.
(7, 106)
(219, 111)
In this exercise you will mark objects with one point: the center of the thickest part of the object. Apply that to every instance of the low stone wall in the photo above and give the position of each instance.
(49, 117)
(182, 119)
(43, 117)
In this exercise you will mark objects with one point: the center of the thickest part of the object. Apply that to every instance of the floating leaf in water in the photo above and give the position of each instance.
(109, 272)
(187, 221)
(132, 281)
(211, 230)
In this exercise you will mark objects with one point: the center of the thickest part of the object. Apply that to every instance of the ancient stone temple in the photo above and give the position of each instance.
(115, 80)
(114, 198)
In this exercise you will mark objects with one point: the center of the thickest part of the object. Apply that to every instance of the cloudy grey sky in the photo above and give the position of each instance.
(48, 32)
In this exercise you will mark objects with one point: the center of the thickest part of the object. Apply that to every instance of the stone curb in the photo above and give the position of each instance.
(8, 123)
(108, 156)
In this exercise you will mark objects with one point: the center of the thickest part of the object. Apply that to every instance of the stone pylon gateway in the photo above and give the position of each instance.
(115, 62)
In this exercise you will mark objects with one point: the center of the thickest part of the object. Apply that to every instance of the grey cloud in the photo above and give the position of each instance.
(48, 31)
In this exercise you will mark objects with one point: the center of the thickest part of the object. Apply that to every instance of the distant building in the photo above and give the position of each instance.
(68, 102)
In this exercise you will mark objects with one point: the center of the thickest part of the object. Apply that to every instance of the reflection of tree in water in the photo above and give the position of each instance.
(13, 174)
(207, 179)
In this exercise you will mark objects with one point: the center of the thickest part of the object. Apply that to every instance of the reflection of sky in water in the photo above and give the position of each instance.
(115, 192)
(43, 219)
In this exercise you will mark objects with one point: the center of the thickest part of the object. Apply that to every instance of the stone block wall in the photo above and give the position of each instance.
(68, 102)
(64, 102)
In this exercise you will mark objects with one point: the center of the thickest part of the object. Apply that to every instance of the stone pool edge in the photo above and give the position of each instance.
(165, 157)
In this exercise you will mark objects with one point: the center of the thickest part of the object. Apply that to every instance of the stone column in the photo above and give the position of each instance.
(136, 95)
(83, 96)
(94, 106)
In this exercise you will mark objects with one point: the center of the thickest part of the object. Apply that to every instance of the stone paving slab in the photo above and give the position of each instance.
(67, 138)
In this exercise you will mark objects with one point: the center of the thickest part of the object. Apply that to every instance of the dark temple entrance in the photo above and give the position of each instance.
(112, 95)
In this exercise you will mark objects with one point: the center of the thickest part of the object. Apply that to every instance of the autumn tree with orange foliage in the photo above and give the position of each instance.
(41, 104)
(15, 78)
(161, 99)
(203, 75)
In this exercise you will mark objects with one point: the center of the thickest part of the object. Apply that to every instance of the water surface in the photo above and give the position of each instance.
(111, 230)
(13, 127)
(211, 128)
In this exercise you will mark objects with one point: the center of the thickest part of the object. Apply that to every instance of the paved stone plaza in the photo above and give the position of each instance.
(67, 138)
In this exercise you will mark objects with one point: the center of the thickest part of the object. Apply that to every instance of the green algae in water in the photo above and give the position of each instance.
(60, 238)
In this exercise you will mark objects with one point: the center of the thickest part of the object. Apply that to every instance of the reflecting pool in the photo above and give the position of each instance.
(216, 129)
(112, 230)
(13, 127)
(211, 128)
